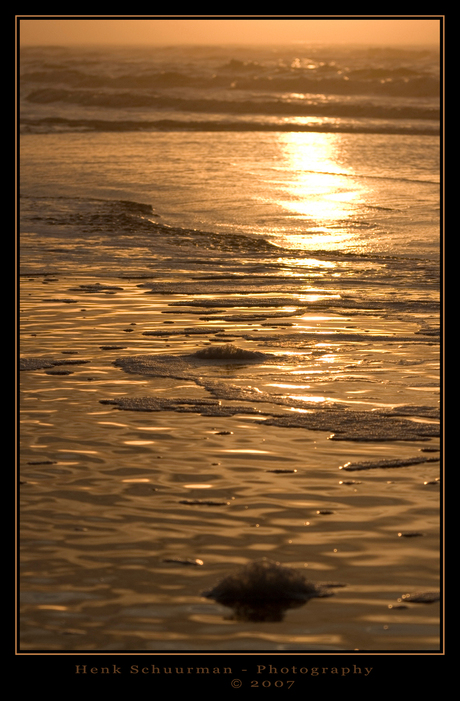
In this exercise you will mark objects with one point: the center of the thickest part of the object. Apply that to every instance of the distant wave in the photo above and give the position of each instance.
(378, 81)
(61, 124)
(128, 217)
(305, 107)
(334, 89)
(372, 177)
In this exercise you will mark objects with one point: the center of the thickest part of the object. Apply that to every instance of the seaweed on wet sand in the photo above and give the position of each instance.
(229, 353)
(263, 590)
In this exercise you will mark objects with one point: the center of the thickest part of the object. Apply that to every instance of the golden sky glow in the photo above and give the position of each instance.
(40, 30)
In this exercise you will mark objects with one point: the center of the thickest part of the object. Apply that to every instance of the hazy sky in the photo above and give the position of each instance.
(39, 29)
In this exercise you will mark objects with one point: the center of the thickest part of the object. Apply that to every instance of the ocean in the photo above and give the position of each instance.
(230, 344)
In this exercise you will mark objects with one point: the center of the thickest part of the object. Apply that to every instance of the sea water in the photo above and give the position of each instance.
(229, 309)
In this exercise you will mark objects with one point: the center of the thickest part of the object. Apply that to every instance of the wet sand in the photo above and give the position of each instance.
(141, 489)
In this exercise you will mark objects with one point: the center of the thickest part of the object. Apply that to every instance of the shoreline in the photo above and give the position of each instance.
(108, 494)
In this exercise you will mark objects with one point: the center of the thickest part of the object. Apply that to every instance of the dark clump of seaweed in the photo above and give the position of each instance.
(263, 590)
(228, 353)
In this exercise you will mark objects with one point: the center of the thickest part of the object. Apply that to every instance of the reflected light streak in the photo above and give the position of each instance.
(306, 398)
(197, 486)
(136, 480)
(323, 193)
(68, 450)
(138, 442)
(308, 372)
(305, 262)
(316, 297)
(290, 386)
(246, 451)
(154, 428)
(307, 317)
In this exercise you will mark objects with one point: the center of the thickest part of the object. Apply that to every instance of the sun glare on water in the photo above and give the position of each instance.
(322, 193)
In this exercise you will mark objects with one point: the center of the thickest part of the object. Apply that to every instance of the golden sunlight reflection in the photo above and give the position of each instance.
(309, 317)
(246, 451)
(69, 450)
(137, 480)
(309, 398)
(138, 442)
(289, 386)
(322, 193)
(310, 262)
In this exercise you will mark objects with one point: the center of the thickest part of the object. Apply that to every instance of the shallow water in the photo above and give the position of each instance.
(114, 499)
(229, 351)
